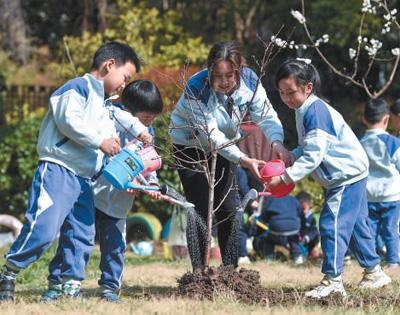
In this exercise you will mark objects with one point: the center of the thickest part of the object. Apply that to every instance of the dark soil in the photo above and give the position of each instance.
(244, 285)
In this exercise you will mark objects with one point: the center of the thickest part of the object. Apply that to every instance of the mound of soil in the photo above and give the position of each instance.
(243, 284)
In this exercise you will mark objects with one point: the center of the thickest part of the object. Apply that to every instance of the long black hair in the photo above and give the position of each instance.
(226, 51)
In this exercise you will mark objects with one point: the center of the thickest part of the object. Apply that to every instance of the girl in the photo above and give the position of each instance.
(209, 113)
(331, 152)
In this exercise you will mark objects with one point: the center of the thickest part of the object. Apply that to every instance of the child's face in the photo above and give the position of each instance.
(117, 77)
(293, 94)
(146, 118)
(395, 120)
(224, 77)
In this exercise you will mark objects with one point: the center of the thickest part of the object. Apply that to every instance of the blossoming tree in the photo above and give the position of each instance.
(372, 51)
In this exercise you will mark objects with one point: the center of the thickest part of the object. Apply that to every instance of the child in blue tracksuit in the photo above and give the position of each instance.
(395, 117)
(142, 102)
(383, 188)
(74, 134)
(282, 216)
(331, 152)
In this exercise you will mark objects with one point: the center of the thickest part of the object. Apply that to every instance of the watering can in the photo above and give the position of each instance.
(271, 169)
(129, 163)
(134, 161)
(268, 170)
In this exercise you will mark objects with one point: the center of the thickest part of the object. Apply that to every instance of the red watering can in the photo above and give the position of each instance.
(271, 169)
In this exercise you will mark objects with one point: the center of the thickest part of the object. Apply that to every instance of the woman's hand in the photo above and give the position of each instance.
(252, 165)
(280, 152)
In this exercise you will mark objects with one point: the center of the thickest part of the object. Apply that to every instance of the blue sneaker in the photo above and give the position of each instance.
(53, 293)
(110, 296)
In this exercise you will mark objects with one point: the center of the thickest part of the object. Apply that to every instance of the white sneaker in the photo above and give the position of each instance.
(327, 286)
(245, 260)
(374, 279)
(299, 260)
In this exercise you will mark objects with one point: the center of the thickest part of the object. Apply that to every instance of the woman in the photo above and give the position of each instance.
(208, 114)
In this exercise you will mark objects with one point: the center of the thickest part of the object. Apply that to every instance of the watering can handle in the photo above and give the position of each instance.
(142, 187)
(264, 193)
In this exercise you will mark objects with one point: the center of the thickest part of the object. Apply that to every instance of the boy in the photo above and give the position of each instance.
(141, 101)
(383, 190)
(309, 231)
(74, 134)
(395, 117)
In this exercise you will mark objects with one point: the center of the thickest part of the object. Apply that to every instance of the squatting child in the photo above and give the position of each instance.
(74, 134)
(141, 103)
(383, 190)
(330, 151)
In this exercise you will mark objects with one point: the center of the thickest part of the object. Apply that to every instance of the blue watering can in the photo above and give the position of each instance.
(127, 164)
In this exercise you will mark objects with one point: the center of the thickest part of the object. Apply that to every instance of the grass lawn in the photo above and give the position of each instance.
(148, 284)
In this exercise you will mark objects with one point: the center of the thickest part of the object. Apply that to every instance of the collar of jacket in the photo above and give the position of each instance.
(307, 103)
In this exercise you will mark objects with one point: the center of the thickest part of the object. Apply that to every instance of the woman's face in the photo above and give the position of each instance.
(224, 77)
(395, 120)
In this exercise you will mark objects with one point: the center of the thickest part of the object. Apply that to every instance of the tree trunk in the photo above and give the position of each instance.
(13, 30)
(101, 15)
(211, 184)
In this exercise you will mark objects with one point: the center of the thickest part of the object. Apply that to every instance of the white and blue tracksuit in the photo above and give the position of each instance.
(61, 196)
(111, 206)
(331, 152)
(383, 189)
(201, 110)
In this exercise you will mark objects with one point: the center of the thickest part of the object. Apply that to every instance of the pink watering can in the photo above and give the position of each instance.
(271, 169)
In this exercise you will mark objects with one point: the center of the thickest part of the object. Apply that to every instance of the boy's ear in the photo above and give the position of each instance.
(108, 64)
(386, 119)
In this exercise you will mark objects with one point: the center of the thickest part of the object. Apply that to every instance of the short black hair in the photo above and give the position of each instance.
(122, 53)
(142, 96)
(302, 196)
(303, 72)
(395, 108)
(375, 110)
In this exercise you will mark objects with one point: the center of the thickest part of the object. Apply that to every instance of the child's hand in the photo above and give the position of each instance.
(273, 182)
(252, 165)
(132, 191)
(110, 146)
(280, 152)
(146, 138)
(154, 194)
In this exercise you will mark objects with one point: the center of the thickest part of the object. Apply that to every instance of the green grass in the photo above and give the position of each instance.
(148, 283)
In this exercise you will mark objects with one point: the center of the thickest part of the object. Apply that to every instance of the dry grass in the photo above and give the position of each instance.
(148, 287)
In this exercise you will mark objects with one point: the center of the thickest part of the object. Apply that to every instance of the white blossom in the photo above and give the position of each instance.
(393, 12)
(352, 53)
(396, 51)
(325, 38)
(279, 42)
(298, 16)
(359, 39)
